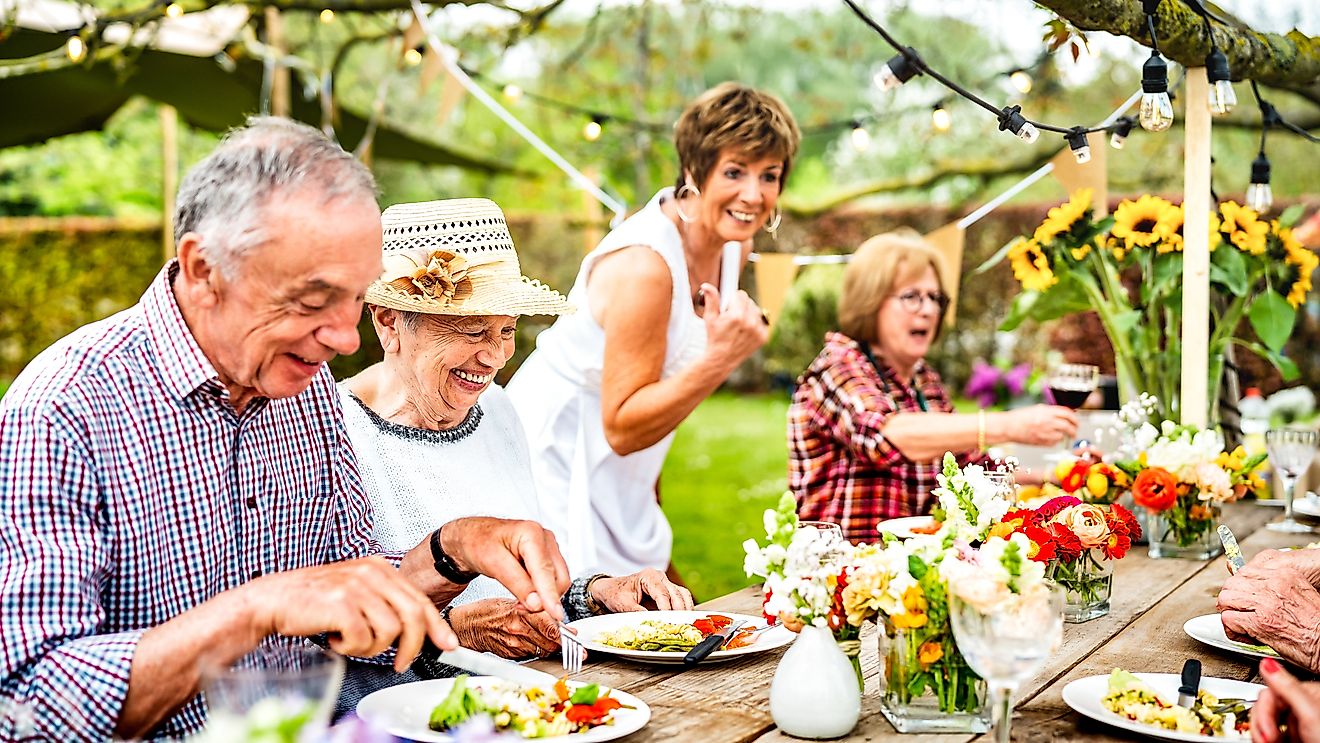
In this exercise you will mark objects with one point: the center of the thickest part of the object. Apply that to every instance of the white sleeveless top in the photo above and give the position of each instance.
(601, 506)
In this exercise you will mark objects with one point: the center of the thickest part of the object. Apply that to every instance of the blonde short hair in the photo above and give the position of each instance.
(730, 115)
(879, 264)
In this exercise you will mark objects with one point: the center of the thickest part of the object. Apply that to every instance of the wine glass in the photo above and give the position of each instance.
(828, 527)
(1071, 384)
(1291, 451)
(1007, 646)
(275, 690)
(1004, 484)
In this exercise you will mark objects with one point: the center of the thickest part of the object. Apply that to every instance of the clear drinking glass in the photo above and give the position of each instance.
(828, 527)
(284, 694)
(1007, 646)
(1291, 451)
(1005, 485)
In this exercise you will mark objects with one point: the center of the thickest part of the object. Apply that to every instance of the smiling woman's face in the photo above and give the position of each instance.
(446, 362)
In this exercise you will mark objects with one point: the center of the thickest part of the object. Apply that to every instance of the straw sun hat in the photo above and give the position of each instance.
(456, 257)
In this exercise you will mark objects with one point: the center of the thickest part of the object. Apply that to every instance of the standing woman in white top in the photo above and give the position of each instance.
(603, 392)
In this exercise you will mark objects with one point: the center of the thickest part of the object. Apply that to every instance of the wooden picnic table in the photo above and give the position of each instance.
(729, 702)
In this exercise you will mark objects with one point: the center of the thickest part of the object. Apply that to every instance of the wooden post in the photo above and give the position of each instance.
(169, 176)
(279, 84)
(1193, 400)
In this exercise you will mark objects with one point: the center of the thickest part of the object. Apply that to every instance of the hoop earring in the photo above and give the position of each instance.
(773, 225)
(678, 201)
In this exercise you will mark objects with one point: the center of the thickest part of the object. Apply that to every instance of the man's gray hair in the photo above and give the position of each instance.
(223, 197)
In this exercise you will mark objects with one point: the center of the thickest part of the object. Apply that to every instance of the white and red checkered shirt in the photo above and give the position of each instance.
(130, 491)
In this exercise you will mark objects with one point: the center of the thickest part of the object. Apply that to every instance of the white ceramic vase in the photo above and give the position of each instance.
(814, 693)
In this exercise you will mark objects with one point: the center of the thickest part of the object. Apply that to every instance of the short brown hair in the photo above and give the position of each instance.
(880, 263)
(732, 115)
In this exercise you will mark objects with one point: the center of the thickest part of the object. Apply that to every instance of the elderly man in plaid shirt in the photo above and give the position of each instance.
(176, 485)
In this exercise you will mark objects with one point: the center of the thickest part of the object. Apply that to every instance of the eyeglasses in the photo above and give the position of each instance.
(912, 301)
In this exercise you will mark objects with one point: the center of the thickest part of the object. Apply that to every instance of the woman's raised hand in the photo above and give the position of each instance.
(1040, 425)
(734, 332)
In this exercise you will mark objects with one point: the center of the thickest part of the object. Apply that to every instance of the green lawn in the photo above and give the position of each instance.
(728, 464)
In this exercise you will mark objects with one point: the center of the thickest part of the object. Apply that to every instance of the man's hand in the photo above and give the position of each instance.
(1289, 702)
(364, 606)
(519, 554)
(1274, 605)
(501, 627)
(630, 592)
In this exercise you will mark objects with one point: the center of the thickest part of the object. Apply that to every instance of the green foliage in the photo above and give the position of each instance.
(810, 310)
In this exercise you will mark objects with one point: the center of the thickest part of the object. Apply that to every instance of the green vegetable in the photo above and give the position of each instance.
(585, 694)
(461, 704)
(1120, 680)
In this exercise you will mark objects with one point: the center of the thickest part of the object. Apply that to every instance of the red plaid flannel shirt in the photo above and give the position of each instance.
(840, 466)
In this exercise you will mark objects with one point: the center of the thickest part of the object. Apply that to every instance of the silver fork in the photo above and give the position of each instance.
(570, 648)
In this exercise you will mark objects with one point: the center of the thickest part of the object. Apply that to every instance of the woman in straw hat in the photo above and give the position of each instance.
(605, 389)
(870, 419)
(436, 439)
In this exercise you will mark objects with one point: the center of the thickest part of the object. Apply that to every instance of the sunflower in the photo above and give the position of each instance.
(1173, 238)
(1144, 222)
(1117, 247)
(1079, 253)
(1031, 266)
(1063, 218)
(1244, 228)
(1303, 261)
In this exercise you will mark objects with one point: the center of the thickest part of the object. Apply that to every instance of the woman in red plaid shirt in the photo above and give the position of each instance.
(870, 420)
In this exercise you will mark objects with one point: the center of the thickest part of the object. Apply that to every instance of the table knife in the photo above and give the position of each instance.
(490, 665)
(712, 643)
(1191, 682)
(1231, 549)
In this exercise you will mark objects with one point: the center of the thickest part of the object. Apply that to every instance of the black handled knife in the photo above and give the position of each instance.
(1191, 682)
(712, 643)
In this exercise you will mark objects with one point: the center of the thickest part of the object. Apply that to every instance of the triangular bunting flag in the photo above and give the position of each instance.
(948, 241)
(1093, 175)
(774, 276)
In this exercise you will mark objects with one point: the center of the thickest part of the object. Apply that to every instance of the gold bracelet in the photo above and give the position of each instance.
(980, 430)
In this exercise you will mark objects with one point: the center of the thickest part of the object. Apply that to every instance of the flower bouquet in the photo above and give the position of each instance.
(1182, 477)
(1078, 543)
(1126, 268)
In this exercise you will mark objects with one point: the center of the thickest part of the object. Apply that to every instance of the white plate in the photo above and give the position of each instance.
(404, 710)
(1308, 506)
(1084, 695)
(592, 627)
(902, 528)
(1209, 629)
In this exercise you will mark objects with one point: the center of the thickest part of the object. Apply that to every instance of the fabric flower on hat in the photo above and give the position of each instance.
(440, 275)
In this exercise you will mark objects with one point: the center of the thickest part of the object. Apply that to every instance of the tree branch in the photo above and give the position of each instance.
(979, 169)
(1290, 61)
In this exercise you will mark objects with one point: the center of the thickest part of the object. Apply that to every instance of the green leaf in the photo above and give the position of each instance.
(1168, 270)
(1291, 215)
(995, 259)
(1284, 364)
(917, 567)
(1229, 269)
(1272, 318)
(585, 694)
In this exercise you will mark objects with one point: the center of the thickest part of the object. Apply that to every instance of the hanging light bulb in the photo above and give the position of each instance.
(1222, 97)
(591, 132)
(1011, 119)
(75, 48)
(413, 57)
(1021, 80)
(327, 16)
(940, 118)
(1259, 196)
(1122, 128)
(1078, 143)
(861, 139)
(1156, 108)
(897, 70)
(173, 10)
(513, 93)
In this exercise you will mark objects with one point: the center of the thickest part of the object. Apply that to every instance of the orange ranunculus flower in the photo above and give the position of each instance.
(1155, 489)
(929, 653)
(1200, 512)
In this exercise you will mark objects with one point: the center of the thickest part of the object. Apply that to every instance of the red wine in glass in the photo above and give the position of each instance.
(1071, 384)
(1070, 396)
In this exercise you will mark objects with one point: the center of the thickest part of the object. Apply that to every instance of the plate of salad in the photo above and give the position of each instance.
(667, 636)
(570, 710)
(1146, 703)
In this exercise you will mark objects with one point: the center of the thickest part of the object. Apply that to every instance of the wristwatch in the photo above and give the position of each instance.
(445, 565)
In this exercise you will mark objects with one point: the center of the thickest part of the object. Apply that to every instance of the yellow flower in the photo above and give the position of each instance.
(1145, 222)
(1243, 227)
(1097, 483)
(1031, 266)
(1173, 238)
(929, 653)
(914, 604)
(1300, 259)
(1080, 253)
(1064, 217)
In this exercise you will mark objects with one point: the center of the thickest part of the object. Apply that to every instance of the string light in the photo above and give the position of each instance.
(1011, 119)
(1156, 108)
(75, 48)
(940, 118)
(327, 16)
(512, 93)
(591, 132)
(1222, 97)
(897, 70)
(861, 139)
(1021, 80)
(412, 57)
(1259, 195)
(173, 10)
(1077, 142)
(1122, 127)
